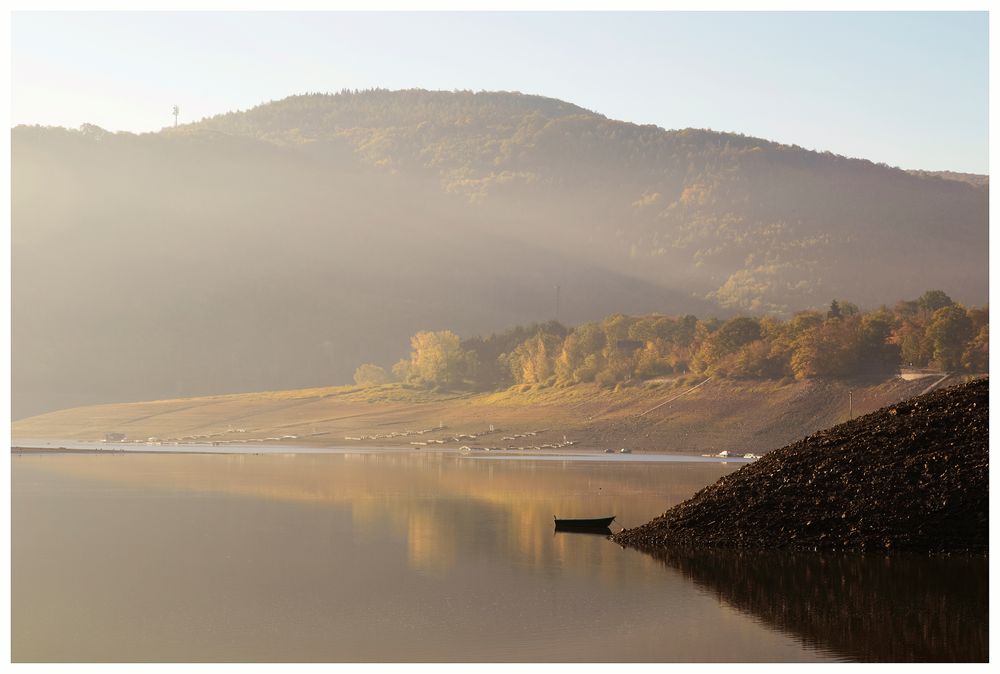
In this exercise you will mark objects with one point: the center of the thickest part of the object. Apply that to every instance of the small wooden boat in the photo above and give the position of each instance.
(598, 523)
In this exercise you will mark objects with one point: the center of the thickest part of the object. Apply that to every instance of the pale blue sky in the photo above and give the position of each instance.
(907, 89)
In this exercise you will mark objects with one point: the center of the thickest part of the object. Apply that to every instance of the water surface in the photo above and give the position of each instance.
(419, 556)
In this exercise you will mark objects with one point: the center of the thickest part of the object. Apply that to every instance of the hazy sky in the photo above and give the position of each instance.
(907, 89)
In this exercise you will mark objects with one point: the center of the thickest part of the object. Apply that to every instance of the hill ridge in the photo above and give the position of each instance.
(462, 214)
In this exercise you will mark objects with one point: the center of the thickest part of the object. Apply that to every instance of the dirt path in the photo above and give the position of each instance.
(670, 400)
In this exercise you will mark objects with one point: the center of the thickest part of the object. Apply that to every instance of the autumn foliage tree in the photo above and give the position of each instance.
(369, 374)
(437, 359)
(840, 342)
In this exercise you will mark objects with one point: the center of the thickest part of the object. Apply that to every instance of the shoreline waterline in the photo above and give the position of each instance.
(39, 447)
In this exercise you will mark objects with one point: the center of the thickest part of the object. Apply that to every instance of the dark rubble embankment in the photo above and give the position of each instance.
(912, 476)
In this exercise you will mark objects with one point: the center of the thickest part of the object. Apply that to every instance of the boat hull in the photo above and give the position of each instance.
(584, 525)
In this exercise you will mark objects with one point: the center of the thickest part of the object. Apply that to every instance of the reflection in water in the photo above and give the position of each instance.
(398, 556)
(899, 608)
(434, 500)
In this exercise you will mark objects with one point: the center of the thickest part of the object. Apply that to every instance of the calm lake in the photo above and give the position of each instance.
(421, 556)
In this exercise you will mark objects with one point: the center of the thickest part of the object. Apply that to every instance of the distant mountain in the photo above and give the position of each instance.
(281, 246)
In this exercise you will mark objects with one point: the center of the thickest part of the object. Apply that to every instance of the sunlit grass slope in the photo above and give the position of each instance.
(668, 415)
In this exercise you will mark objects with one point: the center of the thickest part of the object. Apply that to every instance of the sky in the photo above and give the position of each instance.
(905, 89)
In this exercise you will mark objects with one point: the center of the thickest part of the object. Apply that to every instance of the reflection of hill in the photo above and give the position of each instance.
(900, 608)
(445, 506)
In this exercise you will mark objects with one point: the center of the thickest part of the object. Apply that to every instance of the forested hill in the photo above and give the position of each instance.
(281, 246)
(749, 223)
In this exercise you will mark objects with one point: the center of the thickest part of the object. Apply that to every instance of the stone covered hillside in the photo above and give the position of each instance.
(911, 476)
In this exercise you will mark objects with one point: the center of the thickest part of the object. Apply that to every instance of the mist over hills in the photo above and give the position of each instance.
(749, 223)
(281, 246)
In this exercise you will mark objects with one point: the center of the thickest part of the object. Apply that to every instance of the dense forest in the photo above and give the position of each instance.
(280, 246)
(748, 223)
(931, 331)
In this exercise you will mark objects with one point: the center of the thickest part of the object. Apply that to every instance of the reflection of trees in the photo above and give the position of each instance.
(450, 514)
(899, 608)
(444, 506)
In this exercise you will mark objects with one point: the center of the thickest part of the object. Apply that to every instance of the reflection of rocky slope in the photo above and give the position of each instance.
(913, 476)
(861, 607)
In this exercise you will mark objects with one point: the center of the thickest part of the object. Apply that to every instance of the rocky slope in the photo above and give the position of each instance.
(911, 476)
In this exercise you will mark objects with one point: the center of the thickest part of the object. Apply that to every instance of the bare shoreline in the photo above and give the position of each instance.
(738, 417)
(578, 455)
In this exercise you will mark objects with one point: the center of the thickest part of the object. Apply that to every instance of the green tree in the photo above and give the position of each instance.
(949, 330)
(876, 351)
(916, 349)
(932, 300)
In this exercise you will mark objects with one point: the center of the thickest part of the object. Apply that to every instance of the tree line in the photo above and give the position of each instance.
(931, 331)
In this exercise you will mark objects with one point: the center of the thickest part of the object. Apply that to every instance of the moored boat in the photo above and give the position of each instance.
(597, 523)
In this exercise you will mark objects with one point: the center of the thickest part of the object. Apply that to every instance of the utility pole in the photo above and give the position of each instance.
(557, 301)
(850, 404)
(177, 111)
